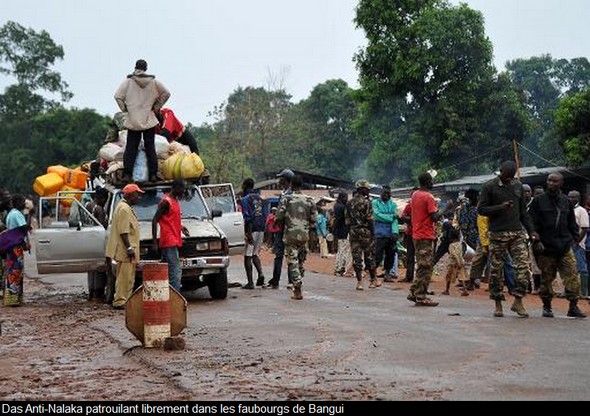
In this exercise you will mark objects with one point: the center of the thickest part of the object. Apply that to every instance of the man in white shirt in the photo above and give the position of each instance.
(583, 221)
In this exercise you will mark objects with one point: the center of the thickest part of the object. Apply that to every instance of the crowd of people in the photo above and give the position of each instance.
(508, 235)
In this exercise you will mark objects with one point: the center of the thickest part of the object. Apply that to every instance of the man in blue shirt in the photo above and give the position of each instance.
(254, 212)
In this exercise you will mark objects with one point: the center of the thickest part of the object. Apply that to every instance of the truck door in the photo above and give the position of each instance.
(222, 197)
(69, 239)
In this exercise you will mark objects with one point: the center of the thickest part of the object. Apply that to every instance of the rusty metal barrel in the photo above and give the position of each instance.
(156, 304)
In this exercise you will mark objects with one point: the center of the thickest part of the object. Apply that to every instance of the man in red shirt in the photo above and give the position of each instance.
(168, 216)
(406, 218)
(424, 214)
(173, 130)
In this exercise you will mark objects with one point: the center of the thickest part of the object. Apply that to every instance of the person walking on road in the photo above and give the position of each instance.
(17, 228)
(503, 201)
(555, 227)
(298, 214)
(123, 244)
(254, 212)
(583, 222)
(359, 220)
(285, 177)
(141, 96)
(169, 217)
(424, 217)
(343, 255)
(321, 229)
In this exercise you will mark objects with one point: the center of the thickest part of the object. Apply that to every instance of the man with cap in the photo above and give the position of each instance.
(140, 95)
(168, 216)
(285, 176)
(123, 244)
(359, 220)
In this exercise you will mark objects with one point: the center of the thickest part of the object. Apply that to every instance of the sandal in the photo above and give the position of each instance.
(426, 302)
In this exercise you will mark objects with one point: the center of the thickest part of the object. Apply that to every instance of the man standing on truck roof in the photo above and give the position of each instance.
(123, 244)
(140, 95)
(168, 216)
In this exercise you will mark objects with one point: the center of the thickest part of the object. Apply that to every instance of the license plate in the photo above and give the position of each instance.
(187, 263)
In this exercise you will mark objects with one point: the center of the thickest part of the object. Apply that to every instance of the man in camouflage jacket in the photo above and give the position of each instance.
(359, 220)
(298, 214)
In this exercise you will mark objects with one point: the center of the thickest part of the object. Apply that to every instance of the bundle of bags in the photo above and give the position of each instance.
(175, 160)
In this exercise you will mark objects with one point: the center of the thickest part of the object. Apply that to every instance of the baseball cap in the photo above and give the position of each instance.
(286, 173)
(128, 189)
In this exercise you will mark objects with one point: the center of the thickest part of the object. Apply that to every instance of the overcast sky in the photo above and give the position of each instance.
(203, 49)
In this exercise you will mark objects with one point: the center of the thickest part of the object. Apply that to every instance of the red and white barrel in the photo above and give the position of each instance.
(156, 304)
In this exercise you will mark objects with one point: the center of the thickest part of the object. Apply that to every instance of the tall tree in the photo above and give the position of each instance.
(327, 116)
(58, 136)
(28, 56)
(428, 82)
(572, 123)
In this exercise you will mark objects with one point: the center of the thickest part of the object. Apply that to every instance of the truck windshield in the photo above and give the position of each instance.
(191, 204)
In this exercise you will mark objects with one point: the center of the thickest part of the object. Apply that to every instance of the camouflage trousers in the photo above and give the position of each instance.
(363, 249)
(568, 271)
(424, 261)
(515, 243)
(296, 255)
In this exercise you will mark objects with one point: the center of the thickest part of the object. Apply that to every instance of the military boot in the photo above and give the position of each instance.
(518, 308)
(498, 313)
(574, 311)
(547, 311)
(297, 293)
(359, 281)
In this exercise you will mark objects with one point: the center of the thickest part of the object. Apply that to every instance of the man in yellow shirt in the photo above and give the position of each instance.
(123, 244)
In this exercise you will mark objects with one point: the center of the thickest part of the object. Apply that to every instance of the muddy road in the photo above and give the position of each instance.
(337, 344)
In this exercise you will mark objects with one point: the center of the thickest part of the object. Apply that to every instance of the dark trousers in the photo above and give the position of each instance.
(385, 251)
(441, 250)
(189, 140)
(279, 250)
(410, 257)
(131, 149)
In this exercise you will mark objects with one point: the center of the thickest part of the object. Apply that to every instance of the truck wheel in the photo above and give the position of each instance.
(217, 284)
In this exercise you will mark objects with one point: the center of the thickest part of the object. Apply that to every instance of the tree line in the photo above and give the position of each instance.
(429, 97)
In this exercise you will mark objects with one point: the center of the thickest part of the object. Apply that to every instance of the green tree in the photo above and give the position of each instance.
(56, 137)
(545, 81)
(27, 56)
(432, 96)
(572, 123)
(329, 141)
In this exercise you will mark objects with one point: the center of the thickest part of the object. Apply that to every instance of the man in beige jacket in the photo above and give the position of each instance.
(139, 96)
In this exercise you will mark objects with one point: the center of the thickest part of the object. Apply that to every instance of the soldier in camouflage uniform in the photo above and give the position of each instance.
(503, 201)
(359, 220)
(557, 230)
(298, 214)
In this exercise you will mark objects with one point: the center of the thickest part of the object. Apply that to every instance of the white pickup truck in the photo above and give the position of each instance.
(67, 243)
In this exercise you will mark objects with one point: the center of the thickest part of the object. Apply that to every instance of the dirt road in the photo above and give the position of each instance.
(336, 344)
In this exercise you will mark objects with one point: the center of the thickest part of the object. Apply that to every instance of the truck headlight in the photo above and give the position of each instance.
(215, 245)
(202, 246)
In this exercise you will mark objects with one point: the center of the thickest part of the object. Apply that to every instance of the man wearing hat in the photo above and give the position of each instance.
(140, 95)
(359, 219)
(285, 176)
(123, 244)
